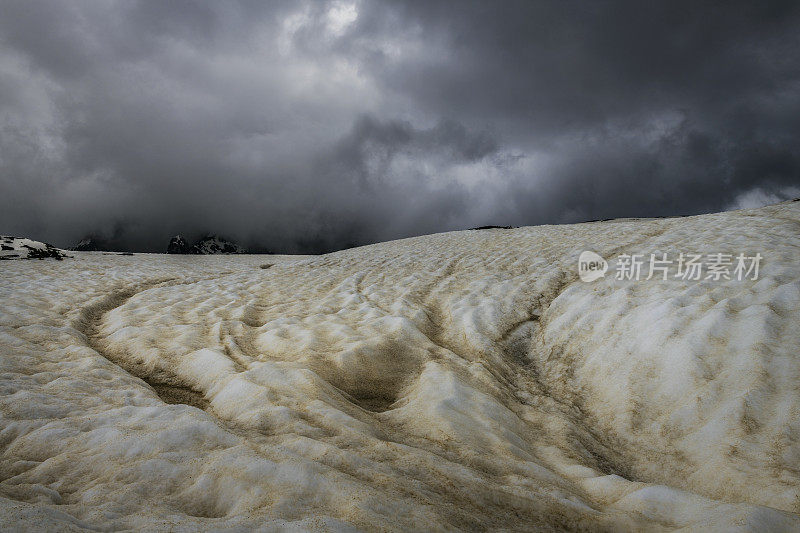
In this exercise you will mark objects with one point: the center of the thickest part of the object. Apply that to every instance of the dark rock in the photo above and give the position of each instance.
(92, 243)
(213, 244)
(208, 245)
(44, 253)
(22, 248)
(178, 245)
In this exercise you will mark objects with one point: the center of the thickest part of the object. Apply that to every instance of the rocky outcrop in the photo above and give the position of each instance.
(213, 244)
(208, 245)
(21, 248)
(92, 244)
(178, 245)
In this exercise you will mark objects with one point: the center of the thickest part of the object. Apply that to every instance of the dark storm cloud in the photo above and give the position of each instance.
(311, 126)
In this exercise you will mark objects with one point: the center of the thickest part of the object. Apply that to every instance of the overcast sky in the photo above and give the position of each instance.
(308, 126)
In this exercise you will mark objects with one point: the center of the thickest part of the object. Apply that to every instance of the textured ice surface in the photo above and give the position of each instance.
(455, 381)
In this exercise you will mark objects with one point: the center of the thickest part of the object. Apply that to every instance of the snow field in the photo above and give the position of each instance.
(464, 380)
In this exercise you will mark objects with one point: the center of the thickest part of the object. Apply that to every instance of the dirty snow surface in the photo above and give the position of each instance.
(459, 381)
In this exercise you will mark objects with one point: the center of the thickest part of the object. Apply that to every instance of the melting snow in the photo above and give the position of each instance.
(463, 380)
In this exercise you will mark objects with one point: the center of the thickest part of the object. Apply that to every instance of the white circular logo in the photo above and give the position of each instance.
(591, 266)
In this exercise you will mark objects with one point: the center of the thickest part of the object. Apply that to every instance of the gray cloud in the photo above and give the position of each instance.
(312, 126)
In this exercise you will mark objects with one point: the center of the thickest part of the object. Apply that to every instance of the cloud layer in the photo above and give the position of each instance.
(314, 126)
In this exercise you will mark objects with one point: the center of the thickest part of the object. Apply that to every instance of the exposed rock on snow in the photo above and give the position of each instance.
(214, 244)
(92, 244)
(21, 248)
(464, 380)
(208, 245)
(178, 245)
(493, 227)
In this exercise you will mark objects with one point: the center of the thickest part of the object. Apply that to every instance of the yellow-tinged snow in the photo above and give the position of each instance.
(464, 380)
